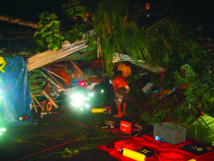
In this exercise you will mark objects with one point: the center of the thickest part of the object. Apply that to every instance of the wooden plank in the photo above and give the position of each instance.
(57, 75)
(53, 88)
(78, 69)
(53, 78)
(34, 105)
(49, 98)
(51, 81)
(35, 100)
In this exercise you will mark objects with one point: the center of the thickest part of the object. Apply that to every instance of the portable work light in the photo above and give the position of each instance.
(77, 99)
(2, 129)
(80, 98)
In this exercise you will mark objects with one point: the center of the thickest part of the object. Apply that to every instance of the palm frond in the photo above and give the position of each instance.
(202, 129)
(118, 33)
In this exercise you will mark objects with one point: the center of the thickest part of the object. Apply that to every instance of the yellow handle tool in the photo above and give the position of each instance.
(134, 155)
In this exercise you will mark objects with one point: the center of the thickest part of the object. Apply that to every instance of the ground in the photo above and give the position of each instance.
(49, 137)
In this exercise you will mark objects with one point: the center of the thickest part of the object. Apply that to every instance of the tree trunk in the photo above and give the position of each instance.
(18, 21)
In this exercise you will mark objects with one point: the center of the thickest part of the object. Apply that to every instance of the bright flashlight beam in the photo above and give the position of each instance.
(78, 99)
(90, 94)
(86, 105)
(2, 129)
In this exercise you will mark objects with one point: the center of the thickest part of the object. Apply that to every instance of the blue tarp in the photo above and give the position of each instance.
(16, 98)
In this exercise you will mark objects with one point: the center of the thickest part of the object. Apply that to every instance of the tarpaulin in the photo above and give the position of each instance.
(16, 99)
(149, 142)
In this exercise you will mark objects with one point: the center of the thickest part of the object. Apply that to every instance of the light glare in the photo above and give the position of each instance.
(86, 105)
(90, 94)
(2, 129)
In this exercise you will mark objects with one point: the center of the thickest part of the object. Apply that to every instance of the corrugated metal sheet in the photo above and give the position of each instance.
(122, 57)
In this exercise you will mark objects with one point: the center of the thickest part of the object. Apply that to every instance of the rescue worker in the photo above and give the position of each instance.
(121, 90)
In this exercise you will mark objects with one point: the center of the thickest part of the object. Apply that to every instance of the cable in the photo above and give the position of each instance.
(46, 155)
(60, 144)
(95, 146)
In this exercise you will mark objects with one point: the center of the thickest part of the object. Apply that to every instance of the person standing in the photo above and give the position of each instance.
(121, 90)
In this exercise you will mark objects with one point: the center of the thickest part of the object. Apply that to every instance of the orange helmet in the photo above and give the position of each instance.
(82, 83)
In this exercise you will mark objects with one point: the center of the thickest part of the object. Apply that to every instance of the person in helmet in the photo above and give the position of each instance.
(121, 90)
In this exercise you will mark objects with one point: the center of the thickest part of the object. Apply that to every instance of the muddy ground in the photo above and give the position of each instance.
(64, 135)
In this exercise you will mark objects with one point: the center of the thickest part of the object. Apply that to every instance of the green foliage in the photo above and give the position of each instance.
(159, 109)
(157, 116)
(173, 42)
(197, 97)
(200, 89)
(49, 32)
(132, 80)
(114, 30)
(202, 129)
(117, 33)
(181, 114)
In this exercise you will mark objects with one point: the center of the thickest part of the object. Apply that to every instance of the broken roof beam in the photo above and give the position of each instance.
(48, 57)
(78, 69)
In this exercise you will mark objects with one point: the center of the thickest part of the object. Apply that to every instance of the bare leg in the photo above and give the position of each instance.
(119, 111)
(124, 108)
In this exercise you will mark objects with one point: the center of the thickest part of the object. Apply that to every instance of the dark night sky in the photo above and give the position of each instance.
(196, 13)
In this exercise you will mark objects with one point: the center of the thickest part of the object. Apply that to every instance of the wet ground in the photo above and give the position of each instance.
(65, 135)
